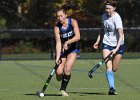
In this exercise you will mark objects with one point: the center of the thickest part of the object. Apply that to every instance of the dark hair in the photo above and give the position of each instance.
(61, 9)
(111, 2)
(67, 6)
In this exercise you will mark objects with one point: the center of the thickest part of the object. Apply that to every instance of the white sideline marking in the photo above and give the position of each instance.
(2, 89)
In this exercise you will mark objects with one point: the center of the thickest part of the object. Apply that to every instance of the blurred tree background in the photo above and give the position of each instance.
(40, 14)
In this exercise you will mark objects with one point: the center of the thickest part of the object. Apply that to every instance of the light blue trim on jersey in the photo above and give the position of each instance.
(69, 25)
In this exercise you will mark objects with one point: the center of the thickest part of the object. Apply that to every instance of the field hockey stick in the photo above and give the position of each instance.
(98, 65)
(41, 93)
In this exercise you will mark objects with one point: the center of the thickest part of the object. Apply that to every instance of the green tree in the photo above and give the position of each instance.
(2, 22)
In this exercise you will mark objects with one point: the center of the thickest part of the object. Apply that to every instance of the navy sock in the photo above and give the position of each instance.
(65, 81)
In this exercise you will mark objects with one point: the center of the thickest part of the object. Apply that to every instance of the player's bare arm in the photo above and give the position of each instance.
(58, 42)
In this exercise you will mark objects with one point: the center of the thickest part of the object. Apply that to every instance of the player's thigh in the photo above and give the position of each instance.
(116, 61)
(106, 52)
(70, 61)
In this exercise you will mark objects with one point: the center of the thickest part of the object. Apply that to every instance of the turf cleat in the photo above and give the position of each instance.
(112, 91)
(63, 93)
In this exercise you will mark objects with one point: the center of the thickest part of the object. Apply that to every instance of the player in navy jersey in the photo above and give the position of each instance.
(67, 35)
(113, 41)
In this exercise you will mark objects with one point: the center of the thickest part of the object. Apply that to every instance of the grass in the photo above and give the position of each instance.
(21, 79)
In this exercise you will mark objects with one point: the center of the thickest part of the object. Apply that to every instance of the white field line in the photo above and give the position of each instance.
(83, 88)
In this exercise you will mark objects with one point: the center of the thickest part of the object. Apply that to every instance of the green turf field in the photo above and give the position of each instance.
(19, 80)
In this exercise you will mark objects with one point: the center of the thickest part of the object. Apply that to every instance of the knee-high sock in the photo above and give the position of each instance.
(65, 81)
(110, 78)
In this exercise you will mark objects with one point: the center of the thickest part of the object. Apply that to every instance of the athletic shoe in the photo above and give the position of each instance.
(112, 91)
(63, 93)
(59, 78)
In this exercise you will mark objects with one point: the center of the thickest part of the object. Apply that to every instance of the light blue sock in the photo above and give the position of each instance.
(110, 78)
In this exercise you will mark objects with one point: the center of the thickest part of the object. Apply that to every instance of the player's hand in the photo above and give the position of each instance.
(114, 51)
(95, 46)
(65, 46)
(57, 61)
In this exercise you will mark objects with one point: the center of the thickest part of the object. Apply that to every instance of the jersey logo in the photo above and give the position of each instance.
(67, 35)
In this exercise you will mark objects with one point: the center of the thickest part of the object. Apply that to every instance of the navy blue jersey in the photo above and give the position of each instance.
(66, 34)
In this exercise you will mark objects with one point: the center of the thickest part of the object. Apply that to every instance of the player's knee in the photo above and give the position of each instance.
(109, 68)
(58, 72)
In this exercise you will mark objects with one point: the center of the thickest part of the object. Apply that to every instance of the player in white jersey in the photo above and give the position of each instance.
(113, 41)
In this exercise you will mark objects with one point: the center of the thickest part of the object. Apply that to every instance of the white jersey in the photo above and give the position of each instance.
(111, 24)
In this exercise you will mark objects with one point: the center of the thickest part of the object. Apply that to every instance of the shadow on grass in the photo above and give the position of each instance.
(80, 94)
(44, 94)
(87, 93)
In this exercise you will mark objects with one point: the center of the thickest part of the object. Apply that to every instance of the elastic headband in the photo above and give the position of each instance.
(108, 3)
(111, 4)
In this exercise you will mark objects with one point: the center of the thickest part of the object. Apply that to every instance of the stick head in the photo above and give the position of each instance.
(40, 94)
(90, 74)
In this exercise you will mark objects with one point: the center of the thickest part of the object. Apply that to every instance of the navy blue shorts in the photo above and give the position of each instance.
(120, 51)
(71, 51)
